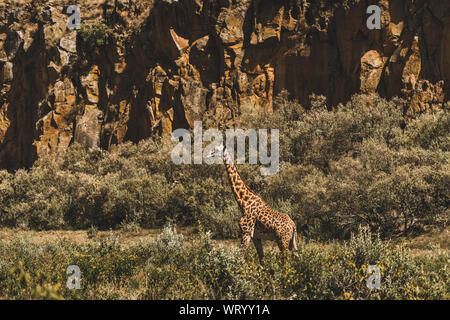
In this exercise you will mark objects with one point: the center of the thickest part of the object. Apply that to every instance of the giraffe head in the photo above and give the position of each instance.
(220, 152)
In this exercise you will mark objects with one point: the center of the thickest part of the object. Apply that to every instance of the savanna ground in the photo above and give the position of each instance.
(365, 186)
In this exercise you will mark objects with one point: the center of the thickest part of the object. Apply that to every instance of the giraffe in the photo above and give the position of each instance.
(258, 222)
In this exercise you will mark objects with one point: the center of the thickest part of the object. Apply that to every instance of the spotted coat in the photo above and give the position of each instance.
(259, 222)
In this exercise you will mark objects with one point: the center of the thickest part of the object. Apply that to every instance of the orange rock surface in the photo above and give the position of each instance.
(162, 64)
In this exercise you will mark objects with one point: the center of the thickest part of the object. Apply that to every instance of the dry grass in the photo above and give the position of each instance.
(434, 239)
(127, 238)
(425, 244)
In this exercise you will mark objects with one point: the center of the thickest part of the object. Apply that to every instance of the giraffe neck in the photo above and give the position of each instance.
(240, 189)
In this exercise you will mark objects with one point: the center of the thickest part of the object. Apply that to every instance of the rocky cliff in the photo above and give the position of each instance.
(142, 68)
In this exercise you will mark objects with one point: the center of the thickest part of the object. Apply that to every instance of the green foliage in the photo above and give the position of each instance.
(429, 131)
(171, 268)
(93, 36)
(339, 169)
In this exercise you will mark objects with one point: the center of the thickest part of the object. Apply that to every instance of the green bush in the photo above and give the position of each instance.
(93, 36)
(171, 268)
(340, 168)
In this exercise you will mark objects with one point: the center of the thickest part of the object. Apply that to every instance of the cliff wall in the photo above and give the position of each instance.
(142, 68)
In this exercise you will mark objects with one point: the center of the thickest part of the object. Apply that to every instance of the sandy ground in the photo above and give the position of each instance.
(423, 244)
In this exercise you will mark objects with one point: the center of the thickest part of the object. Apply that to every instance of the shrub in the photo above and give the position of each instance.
(171, 268)
(342, 167)
(93, 36)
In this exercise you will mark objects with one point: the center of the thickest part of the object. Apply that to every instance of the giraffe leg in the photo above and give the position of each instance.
(283, 245)
(247, 225)
(245, 242)
(286, 241)
(259, 249)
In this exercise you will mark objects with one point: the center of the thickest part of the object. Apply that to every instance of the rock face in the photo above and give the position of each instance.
(160, 65)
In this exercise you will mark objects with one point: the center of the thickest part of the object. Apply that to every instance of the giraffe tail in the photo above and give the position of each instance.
(293, 242)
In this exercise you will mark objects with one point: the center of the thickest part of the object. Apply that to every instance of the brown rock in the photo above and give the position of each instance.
(167, 63)
(69, 42)
(6, 72)
(87, 131)
(90, 85)
(371, 69)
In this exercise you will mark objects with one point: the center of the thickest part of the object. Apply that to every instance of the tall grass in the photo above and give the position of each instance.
(170, 268)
